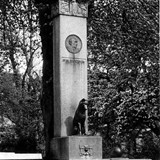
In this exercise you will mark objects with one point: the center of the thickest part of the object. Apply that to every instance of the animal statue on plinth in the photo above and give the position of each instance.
(80, 117)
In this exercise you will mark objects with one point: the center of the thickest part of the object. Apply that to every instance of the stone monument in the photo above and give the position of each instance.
(70, 80)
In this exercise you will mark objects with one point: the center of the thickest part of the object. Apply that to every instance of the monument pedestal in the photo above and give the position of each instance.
(77, 147)
(70, 81)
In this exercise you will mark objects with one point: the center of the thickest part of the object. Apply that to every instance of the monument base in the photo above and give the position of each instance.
(77, 147)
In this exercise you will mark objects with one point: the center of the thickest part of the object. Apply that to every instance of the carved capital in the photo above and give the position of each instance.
(70, 7)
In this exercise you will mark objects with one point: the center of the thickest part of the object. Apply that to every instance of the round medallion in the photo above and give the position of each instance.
(73, 44)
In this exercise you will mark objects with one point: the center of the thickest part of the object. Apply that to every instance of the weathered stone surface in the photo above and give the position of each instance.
(77, 147)
(70, 70)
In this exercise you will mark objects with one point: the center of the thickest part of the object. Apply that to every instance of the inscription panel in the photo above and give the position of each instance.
(77, 61)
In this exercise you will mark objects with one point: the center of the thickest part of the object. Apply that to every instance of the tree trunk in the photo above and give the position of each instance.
(47, 79)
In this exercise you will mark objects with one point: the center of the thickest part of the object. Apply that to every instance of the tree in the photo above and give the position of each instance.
(19, 31)
(20, 92)
(25, 113)
(123, 77)
(46, 33)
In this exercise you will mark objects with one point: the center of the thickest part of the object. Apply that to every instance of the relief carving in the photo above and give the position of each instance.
(70, 7)
(86, 151)
(64, 7)
(73, 44)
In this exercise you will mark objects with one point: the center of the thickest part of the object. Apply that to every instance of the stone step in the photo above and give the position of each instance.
(106, 159)
(18, 156)
(38, 156)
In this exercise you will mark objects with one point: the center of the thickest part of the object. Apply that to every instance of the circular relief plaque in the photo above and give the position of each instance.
(73, 44)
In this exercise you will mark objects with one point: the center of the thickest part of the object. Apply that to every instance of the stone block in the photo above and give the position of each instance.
(77, 147)
(20, 156)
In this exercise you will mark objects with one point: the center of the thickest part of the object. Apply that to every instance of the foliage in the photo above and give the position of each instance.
(20, 40)
(123, 73)
(20, 84)
(26, 132)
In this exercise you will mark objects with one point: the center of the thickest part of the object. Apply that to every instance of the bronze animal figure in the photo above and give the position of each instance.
(79, 119)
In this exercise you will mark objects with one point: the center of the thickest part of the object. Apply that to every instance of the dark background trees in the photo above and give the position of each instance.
(122, 70)
(124, 75)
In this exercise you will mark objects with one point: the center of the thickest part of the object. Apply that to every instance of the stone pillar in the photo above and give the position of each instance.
(70, 80)
(70, 62)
